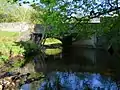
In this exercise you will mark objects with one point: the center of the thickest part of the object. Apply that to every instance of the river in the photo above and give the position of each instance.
(77, 68)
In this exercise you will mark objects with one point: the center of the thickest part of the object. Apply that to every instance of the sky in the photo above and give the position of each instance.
(27, 5)
(77, 12)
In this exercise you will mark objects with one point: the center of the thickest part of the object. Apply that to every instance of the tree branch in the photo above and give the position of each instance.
(110, 3)
(98, 14)
(104, 12)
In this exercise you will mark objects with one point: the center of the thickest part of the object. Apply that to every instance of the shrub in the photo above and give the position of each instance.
(14, 13)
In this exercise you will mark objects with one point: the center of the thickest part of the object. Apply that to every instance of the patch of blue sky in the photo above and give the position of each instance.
(31, 2)
(75, 12)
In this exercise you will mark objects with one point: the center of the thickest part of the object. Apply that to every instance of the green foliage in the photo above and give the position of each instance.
(30, 45)
(64, 16)
(18, 63)
(36, 17)
(63, 21)
(50, 41)
(110, 30)
(3, 58)
(18, 52)
(8, 1)
(48, 2)
(53, 51)
(8, 46)
(30, 48)
(8, 34)
(14, 13)
(60, 22)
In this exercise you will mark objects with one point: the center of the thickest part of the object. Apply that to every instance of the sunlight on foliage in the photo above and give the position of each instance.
(8, 34)
(8, 46)
(14, 13)
(49, 41)
(53, 51)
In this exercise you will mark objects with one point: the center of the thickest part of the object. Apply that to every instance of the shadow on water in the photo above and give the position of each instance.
(75, 68)
(78, 68)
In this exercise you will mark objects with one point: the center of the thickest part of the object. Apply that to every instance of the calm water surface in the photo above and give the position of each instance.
(78, 69)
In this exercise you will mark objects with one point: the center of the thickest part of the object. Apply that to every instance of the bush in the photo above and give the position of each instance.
(16, 53)
(14, 13)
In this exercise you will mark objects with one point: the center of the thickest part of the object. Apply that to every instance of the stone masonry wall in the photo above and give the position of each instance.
(16, 27)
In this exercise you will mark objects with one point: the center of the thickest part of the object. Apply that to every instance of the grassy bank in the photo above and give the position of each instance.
(8, 34)
(8, 47)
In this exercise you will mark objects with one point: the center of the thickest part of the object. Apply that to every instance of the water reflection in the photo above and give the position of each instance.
(79, 62)
(75, 81)
(25, 87)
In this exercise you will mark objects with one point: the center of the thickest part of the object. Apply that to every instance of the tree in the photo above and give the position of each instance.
(12, 12)
(73, 16)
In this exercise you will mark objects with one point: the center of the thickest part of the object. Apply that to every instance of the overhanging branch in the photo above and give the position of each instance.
(98, 14)
(104, 12)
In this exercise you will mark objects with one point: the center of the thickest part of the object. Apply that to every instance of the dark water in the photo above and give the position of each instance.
(78, 69)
